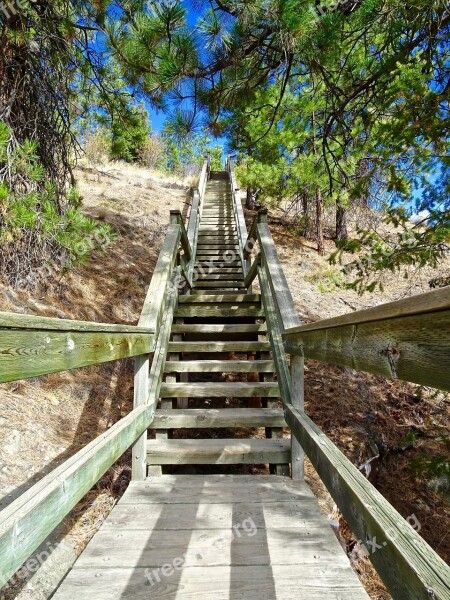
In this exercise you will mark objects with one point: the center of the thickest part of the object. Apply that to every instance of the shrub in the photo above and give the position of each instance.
(327, 280)
(38, 227)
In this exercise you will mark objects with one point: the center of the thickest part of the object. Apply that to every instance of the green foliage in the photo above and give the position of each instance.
(430, 465)
(216, 157)
(129, 134)
(33, 218)
(307, 95)
(327, 280)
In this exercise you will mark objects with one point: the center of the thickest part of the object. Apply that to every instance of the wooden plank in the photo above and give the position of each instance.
(167, 489)
(29, 353)
(217, 452)
(141, 396)
(218, 346)
(252, 235)
(413, 348)
(10, 320)
(220, 366)
(253, 271)
(220, 583)
(219, 390)
(226, 417)
(298, 515)
(225, 270)
(298, 400)
(230, 277)
(276, 341)
(284, 304)
(221, 310)
(263, 547)
(27, 521)
(151, 313)
(219, 328)
(176, 216)
(406, 563)
(216, 298)
(436, 300)
(218, 284)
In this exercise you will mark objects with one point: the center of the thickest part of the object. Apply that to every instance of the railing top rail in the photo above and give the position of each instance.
(428, 302)
(9, 320)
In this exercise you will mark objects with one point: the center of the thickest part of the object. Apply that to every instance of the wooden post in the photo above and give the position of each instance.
(298, 400)
(141, 391)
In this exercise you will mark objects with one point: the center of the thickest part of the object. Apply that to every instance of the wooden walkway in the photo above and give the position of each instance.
(214, 537)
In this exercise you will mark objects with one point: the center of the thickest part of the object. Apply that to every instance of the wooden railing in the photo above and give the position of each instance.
(31, 346)
(409, 340)
(238, 213)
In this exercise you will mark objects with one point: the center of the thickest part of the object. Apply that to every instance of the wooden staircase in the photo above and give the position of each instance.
(218, 353)
(206, 350)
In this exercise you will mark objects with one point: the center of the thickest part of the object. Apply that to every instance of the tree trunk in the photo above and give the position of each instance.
(319, 224)
(341, 222)
(250, 201)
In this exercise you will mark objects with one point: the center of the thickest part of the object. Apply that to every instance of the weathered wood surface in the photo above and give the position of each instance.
(148, 384)
(211, 417)
(284, 304)
(219, 298)
(414, 348)
(238, 537)
(219, 390)
(217, 451)
(152, 311)
(140, 398)
(220, 366)
(219, 328)
(29, 353)
(407, 564)
(276, 341)
(298, 400)
(218, 346)
(252, 272)
(27, 521)
(429, 302)
(10, 320)
(221, 310)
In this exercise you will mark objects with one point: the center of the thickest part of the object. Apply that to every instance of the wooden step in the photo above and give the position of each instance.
(216, 261)
(201, 246)
(218, 452)
(223, 270)
(219, 389)
(213, 252)
(222, 232)
(243, 346)
(221, 310)
(221, 277)
(219, 328)
(204, 293)
(201, 418)
(215, 298)
(218, 285)
(219, 366)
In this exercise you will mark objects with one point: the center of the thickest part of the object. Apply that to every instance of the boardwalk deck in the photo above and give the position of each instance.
(214, 537)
